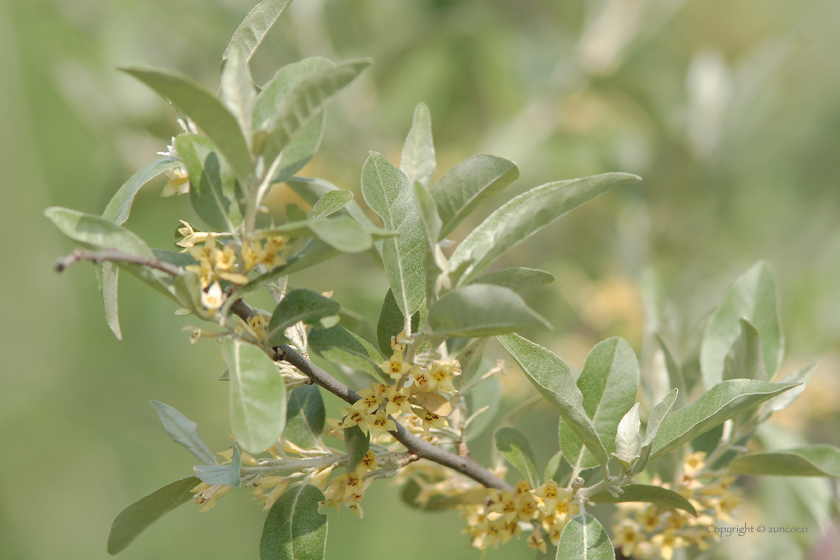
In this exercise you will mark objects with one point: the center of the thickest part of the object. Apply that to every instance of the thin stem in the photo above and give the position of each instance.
(414, 444)
(113, 255)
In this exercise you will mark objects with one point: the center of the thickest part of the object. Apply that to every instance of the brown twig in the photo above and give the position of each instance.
(417, 446)
(114, 255)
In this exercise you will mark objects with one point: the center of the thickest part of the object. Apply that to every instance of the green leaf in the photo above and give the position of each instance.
(391, 323)
(417, 161)
(214, 192)
(341, 346)
(304, 103)
(358, 325)
(720, 403)
(211, 116)
(468, 184)
(357, 443)
(558, 469)
(134, 519)
(294, 529)
(657, 416)
(188, 289)
(237, 90)
(753, 297)
(813, 460)
(340, 232)
(305, 417)
(254, 27)
(553, 379)
(388, 192)
(469, 358)
(184, 431)
(174, 257)
(628, 442)
(675, 375)
(119, 207)
(609, 382)
(584, 538)
(517, 278)
(481, 310)
(801, 377)
(662, 497)
(311, 190)
(411, 492)
(222, 474)
(257, 396)
(428, 213)
(487, 394)
(299, 305)
(107, 276)
(331, 202)
(525, 215)
(744, 359)
(514, 446)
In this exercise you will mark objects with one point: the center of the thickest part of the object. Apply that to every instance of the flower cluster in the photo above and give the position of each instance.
(349, 487)
(645, 531)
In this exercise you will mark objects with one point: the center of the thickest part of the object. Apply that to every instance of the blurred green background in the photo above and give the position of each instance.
(729, 110)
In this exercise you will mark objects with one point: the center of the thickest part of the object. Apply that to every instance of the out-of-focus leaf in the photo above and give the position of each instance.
(744, 359)
(802, 377)
(488, 394)
(663, 497)
(411, 492)
(134, 519)
(558, 469)
(184, 431)
(554, 381)
(720, 403)
(391, 323)
(119, 207)
(388, 192)
(305, 417)
(311, 190)
(257, 396)
(469, 358)
(525, 215)
(584, 538)
(813, 460)
(330, 203)
(294, 529)
(174, 257)
(357, 443)
(227, 475)
(237, 90)
(417, 161)
(211, 116)
(514, 446)
(753, 297)
(628, 442)
(299, 305)
(480, 310)
(340, 232)
(107, 276)
(657, 416)
(214, 192)
(254, 27)
(358, 325)
(675, 375)
(428, 213)
(517, 278)
(341, 346)
(465, 186)
(609, 382)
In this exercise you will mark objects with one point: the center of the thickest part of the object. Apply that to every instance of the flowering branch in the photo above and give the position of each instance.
(113, 255)
(422, 449)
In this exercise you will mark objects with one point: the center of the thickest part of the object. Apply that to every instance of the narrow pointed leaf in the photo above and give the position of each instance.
(553, 379)
(311, 190)
(466, 312)
(525, 215)
(305, 417)
(753, 297)
(487, 394)
(330, 203)
(813, 460)
(584, 538)
(675, 375)
(184, 431)
(720, 403)
(134, 519)
(211, 116)
(657, 416)
(662, 497)
(558, 469)
(418, 154)
(254, 27)
(391, 323)
(744, 359)
(357, 443)
(517, 279)
(299, 305)
(514, 446)
(469, 358)
(342, 233)
(628, 442)
(119, 207)
(237, 90)
(388, 192)
(468, 184)
(294, 529)
(428, 213)
(609, 382)
(340, 346)
(257, 396)
(801, 377)
(227, 475)
(107, 276)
